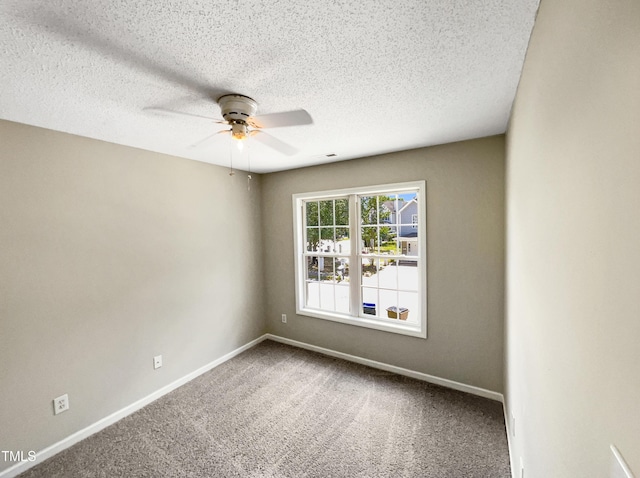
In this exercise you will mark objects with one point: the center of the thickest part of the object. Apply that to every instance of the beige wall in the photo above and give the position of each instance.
(465, 242)
(573, 280)
(108, 256)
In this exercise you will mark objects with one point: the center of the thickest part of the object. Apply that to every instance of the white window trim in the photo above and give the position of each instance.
(388, 325)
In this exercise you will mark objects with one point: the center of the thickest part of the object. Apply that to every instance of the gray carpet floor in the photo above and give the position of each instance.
(280, 411)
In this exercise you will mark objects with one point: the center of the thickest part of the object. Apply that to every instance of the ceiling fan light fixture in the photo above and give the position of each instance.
(239, 130)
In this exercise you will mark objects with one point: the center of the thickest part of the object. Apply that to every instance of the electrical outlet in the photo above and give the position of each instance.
(284, 318)
(157, 361)
(61, 404)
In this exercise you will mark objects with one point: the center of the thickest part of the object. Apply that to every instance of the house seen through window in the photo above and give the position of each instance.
(361, 256)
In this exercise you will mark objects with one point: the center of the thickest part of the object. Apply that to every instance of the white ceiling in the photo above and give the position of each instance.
(375, 75)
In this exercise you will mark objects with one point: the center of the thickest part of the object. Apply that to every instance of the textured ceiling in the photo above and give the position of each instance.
(376, 76)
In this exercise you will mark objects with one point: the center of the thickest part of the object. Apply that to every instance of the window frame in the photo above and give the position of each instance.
(358, 318)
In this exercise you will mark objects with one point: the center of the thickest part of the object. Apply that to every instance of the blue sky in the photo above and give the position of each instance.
(407, 196)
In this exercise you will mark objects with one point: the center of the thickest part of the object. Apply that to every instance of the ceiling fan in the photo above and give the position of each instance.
(239, 112)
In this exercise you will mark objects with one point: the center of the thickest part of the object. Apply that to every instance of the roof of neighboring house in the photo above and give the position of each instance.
(415, 199)
(391, 204)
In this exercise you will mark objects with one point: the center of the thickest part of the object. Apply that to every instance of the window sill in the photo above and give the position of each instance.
(391, 325)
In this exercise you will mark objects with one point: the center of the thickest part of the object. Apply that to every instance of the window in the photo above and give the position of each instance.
(361, 256)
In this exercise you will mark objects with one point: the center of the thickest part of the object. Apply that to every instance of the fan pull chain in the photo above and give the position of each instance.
(249, 168)
(231, 172)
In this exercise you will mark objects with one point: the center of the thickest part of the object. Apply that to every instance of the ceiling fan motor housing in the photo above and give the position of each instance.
(237, 108)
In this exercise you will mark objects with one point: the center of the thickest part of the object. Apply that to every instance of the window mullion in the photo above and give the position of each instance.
(302, 285)
(355, 273)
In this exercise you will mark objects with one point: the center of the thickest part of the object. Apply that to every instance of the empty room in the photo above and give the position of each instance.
(336, 239)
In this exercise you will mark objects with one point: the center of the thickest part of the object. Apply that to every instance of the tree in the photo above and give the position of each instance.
(328, 220)
(324, 221)
(373, 212)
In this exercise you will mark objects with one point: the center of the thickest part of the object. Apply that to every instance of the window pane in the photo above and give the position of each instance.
(369, 269)
(385, 206)
(327, 299)
(313, 238)
(343, 244)
(388, 242)
(369, 237)
(312, 213)
(369, 210)
(313, 295)
(410, 301)
(343, 301)
(312, 285)
(409, 245)
(312, 268)
(342, 212)
(342, 233)
(406, 198)
(388, 303)
(326, 233)
(408, 215)
(369, 301)
(325, 268)
(408, 275)
(341, 265)
(326, 213)
(387, 274)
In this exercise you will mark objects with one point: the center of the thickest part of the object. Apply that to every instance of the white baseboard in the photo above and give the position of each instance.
(481, 392)
(128, 410)
(120, 414)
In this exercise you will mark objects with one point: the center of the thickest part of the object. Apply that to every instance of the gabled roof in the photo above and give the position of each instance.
(415, 199)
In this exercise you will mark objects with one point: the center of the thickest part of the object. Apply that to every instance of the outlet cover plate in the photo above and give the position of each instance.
(61, 404)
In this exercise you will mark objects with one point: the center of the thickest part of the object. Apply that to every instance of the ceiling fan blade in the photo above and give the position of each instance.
(208, 138)
(279, 120)
(164, 111)
(274, 143)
